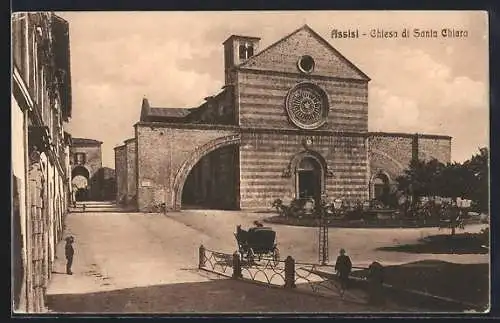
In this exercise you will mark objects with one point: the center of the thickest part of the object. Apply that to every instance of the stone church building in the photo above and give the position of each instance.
(290, 122)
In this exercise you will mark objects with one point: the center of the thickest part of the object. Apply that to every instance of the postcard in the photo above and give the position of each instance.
(253, 162)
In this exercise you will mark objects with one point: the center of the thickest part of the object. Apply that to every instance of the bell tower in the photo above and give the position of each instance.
(238, 49)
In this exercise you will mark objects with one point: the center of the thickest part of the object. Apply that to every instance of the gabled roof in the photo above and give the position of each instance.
(86, 141)
(240, 37)
(159, 112)
(319, 38)
(148, 112)
(169, 112)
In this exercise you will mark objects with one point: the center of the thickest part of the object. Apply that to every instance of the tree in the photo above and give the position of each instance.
(478, 188)
(453, 181)
(421, 178)
(467, 180)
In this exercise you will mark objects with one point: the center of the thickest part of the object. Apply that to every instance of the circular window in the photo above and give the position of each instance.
(307, 106)
(306, 64)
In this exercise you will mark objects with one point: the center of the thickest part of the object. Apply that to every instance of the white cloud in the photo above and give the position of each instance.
(413, 92)
(175, 60)
(462, 92)
(107, 102)
(393, 113)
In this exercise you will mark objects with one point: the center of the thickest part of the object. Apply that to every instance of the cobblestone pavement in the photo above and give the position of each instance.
(133, 262)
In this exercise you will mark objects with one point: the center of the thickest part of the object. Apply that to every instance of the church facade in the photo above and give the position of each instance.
(290, 122)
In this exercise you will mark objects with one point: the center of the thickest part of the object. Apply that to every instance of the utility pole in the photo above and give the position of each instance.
(323, 228)
(323, 238)
(323, 231)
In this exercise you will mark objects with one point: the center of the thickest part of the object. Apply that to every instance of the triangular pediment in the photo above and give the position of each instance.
(283, 55)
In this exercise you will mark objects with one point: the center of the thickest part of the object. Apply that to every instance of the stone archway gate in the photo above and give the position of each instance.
(193, 159)
(166, 156)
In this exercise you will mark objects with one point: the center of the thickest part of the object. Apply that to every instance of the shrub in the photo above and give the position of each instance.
(369, 216)
(278, 205)
(353, 211)
(297, 207)
(354, 214)
(281, 208)
(376, 204)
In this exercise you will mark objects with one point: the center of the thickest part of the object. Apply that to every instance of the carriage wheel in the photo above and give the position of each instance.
(251, 256)
(276, 256)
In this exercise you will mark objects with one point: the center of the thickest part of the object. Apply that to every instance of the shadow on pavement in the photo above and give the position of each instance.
(217, 296)
(462, 282)
(465, 243)
(59, 273)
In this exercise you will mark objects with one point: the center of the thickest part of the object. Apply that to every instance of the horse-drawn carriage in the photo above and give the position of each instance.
(257, 243)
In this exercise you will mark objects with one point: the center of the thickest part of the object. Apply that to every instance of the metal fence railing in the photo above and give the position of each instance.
(217, 262)
(316, 278)
(266, 270)
(285, 273)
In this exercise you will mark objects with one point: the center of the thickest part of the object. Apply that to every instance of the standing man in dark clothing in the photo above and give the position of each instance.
(343, 267)
(69, 252)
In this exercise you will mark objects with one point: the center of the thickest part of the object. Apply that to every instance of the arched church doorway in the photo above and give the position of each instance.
(80, 183)
(309, 178)
(213, 183)
(381, 188)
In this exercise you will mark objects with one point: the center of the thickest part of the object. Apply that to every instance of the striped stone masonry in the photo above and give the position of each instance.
(264, 157)
(166, 155)
(262, 101)
(392, 153)
(256, 158)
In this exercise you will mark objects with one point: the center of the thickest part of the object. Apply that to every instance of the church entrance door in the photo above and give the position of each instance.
(309, 179)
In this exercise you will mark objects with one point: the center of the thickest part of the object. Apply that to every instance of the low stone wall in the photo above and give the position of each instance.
(339, 223)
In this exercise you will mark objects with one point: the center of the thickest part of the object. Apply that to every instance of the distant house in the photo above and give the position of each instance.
(90, 181)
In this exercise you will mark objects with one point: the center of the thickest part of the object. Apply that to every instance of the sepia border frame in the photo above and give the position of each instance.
(494, 35)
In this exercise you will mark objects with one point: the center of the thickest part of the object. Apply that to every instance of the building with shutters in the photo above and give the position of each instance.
(290, 122)
(41, 106)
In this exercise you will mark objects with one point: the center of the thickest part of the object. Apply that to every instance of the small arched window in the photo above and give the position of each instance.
(250, 51)
(245, 51)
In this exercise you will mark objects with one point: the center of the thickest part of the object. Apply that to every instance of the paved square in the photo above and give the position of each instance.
(120, 255)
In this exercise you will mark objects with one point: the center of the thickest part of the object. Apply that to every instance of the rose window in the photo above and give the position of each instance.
(307, 106)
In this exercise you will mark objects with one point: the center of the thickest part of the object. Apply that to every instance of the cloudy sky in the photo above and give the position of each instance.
(175, 59)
